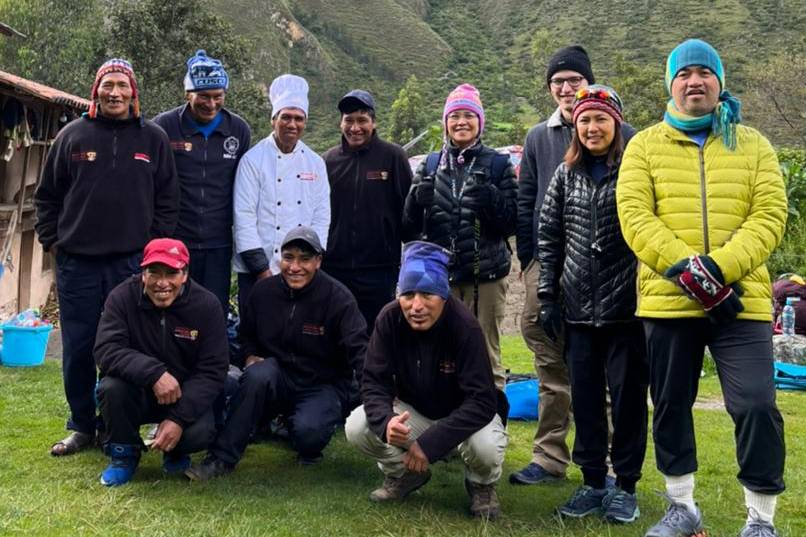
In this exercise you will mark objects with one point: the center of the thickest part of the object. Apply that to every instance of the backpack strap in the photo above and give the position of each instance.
(431, 163)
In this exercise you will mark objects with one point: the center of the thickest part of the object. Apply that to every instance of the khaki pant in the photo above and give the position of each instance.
(482, 453)
(492, 310)
(554, 407)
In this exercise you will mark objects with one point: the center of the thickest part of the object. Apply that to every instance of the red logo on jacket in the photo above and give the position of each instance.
(142, 156)
(312, 329)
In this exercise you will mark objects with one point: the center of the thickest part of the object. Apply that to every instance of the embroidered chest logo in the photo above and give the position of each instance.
(181, 145)
(231, 145)
(84, 156)
(377, 175)
(186, 333)
(447, 366)
(311, 329)
(307, 176)
(143, 157)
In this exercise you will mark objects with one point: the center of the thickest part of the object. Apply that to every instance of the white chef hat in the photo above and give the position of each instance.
(288, 91)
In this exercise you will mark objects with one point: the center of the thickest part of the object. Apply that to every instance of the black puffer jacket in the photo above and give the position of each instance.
(581, 250)
(451, 225)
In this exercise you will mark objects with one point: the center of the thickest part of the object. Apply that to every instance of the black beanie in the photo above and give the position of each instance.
(573, 58)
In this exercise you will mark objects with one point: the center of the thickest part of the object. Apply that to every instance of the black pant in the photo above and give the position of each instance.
(83, 283)
(372, 288)
(210, 267)
(125, 406)
(245, 283)
(613, 354)
(313, 412)
(742, 351)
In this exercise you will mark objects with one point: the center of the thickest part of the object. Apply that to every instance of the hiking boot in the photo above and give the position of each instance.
(483, 500)
(677, 522)
(585, 501)
(397, 488)
(533, 474)
(758, 528)
(123, 464)
(210, 468)
(620, 506)
(175, 464)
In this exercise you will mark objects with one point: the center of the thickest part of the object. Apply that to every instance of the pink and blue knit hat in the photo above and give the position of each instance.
(114, 65)
(464, 97)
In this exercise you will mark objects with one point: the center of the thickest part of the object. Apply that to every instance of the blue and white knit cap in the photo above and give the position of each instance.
(288, 91)
(424, 268)
(205, 73)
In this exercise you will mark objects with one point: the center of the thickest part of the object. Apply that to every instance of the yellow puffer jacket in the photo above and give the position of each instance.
(675, 200)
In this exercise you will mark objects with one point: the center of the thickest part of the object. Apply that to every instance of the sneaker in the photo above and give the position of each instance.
(758, 528)
(209, 468)
(397, 488)
(620, 506)
(677, 522)
(533, 474)
(483, 500)
(585, 501)
(123, 464)
(610, 482)
(175, 464)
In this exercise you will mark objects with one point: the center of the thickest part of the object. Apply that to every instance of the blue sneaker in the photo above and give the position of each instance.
(533, 474)
(120, 471)
(585, 501)
(175, 464)
(621, 506)
(610, 482)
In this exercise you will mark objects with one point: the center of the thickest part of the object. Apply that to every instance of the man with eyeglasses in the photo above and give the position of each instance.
(281, 184)
(207, 141)
(569, 70)
(369, 179)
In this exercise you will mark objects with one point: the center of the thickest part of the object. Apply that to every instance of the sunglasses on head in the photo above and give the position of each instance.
(595, 93)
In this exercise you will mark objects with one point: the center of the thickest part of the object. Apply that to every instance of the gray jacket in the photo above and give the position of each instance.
(543, 151)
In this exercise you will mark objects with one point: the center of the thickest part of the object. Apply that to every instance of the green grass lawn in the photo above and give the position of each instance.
(269, 494)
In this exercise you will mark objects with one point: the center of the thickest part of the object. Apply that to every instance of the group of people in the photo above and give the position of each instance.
(373, 298)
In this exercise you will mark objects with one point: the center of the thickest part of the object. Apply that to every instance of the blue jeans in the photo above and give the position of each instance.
(83, 283)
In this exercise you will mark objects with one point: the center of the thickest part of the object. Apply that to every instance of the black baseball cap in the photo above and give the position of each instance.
(306, 235)
(356, 100)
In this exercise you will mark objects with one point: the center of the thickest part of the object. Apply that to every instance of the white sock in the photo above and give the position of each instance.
(761, 506)
(680, 488)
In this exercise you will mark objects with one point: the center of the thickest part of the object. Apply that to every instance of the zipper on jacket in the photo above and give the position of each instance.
(114, 148)
(706, 242)
(162, 327)
(355, 202)
(201, 203)
(594, 254)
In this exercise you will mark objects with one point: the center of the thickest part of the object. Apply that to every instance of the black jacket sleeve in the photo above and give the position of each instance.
(206, 380)
(413, 213)
(247, 330)
(353, 337)
(551, 238)
(113, 353)
(502, 215)
(166, 190)
(527, 197)
(378, 380)
(50, 193)
(479, 405)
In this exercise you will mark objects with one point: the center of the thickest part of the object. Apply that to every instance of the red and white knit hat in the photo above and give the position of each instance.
(115, 65)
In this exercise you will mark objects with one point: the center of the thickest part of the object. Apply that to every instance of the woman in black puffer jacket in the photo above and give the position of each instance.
(469, 206)
(589, 269)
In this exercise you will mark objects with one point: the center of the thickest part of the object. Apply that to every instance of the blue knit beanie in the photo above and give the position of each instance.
(424, 268)
(693, 52)
(205, 73)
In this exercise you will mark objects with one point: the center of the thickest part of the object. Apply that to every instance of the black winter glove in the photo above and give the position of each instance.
(551, 319)
(424, 192)
(701, 279)
(479, 196)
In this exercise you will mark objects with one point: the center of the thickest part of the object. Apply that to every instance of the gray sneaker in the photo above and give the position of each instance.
(397, 488)
(758, 528)
(483, 500)
(677, 522)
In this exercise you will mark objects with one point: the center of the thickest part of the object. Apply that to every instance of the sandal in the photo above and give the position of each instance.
(73, 443)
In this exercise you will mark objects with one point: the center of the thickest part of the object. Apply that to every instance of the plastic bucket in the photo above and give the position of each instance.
(24, 346)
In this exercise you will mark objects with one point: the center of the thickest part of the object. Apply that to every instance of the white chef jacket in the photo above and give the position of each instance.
(275, 192)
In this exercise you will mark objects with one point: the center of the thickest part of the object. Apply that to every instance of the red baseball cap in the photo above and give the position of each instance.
(169, 252)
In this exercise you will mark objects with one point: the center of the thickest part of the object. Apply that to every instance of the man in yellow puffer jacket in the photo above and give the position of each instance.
(702, 204)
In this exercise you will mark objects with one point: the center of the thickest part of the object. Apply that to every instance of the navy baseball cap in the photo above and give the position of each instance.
(356, 100)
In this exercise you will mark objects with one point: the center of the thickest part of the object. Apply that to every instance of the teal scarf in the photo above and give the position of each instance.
(722, 121)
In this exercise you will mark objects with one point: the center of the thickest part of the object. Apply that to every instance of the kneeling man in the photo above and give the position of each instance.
(162, 351)
(305, 341)
(428, 388)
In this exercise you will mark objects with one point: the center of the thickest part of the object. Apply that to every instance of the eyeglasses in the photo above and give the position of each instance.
(467, 116)
(573, 81)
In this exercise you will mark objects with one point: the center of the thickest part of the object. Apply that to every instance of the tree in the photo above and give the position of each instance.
(642, 90)
(408, 118)
(544, 44)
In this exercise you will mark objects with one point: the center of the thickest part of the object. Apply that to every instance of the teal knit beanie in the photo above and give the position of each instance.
(693, 52)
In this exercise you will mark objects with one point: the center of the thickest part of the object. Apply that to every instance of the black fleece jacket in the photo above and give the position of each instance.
(443, 372)
(138, 342)
(108, 187)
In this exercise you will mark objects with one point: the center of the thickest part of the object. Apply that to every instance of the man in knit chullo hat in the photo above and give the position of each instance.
(208, 142)
(702, 204)
(108, 186)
